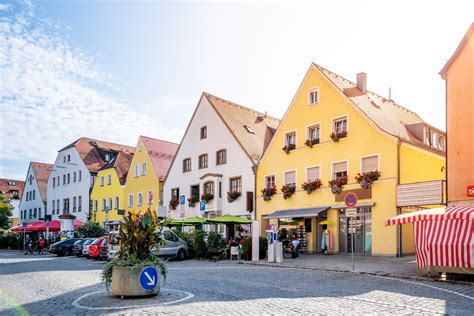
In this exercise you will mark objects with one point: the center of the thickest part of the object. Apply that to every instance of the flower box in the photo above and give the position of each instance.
(288, 148)
(173, 204)
(338, 184)
(207, 197)
(311, 186)
(337, 136)
(288, 190)
(366, 179)
(232, 196)
(311, 142)
(192, 201)
(267, 193)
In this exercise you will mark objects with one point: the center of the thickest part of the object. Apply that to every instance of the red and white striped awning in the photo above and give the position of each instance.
(443, 213)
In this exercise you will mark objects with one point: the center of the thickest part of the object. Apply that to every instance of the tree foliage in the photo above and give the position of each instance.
(91, 229)
(5, 211)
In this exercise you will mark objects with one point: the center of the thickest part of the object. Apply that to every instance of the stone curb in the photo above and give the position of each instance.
(380, 274)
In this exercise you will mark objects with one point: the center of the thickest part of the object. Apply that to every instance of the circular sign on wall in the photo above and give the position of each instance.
(350, 199)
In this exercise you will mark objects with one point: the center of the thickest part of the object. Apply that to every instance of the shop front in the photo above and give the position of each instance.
(359, 228)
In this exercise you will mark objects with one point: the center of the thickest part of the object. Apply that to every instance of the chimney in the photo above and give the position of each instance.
(362, 82)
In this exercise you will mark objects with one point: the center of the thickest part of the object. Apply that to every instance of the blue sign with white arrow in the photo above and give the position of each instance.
(149, 278)
(182, 199)
(202, 205)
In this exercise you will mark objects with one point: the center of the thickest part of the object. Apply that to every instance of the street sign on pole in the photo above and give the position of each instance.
(350, 199)
(351, 214)
(202, 206)
(149, 279)
(182, 199)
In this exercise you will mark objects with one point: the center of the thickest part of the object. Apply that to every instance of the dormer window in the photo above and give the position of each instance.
(107, 157)
(313, 96)
(203, 132)
(249, 129)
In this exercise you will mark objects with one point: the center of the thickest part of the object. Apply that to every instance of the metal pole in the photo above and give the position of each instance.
(353, 241)
(23, 239)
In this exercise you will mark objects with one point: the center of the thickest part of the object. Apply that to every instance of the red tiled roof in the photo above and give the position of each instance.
(41, 172)
(7, 188)
(161, 154)
(121, 164)
(89, 150)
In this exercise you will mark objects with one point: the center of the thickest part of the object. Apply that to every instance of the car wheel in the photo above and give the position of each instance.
(67, 252)
(181, 254)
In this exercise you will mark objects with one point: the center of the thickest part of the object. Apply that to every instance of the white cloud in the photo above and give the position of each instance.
(52, 94)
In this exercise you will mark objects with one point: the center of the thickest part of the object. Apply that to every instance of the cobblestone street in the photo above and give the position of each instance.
(71, 286)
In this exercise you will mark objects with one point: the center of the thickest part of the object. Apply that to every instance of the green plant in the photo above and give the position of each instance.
(5, 211)
(91, 230)
(267, 193)
(367, 178)
(215, 242)
(207, 197)
(288, 148)
(288, 190)
(232, 196)
(338, 184)
(247, 248)
(337, 136)
(188, 238)
(311, 185)
(173, 204)
(199, 243)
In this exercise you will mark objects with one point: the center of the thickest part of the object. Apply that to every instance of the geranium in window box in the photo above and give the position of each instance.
(289, 148)
(311, 186)
(288, 190)
(367, 178)
(267, 193)
(337, 136)
(173, 204)
(338, 184)
(311, 142)
(192, 201)
(232, 196)
(207, 197)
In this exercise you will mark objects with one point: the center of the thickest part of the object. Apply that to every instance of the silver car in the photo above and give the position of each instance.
(170, 245)
(85, 247)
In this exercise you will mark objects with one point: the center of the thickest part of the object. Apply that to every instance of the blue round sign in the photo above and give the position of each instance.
(350, 199)
(149, 278)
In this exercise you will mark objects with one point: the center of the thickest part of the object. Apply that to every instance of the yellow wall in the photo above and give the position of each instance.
(418, 165)
(105, 192)
(143, 184)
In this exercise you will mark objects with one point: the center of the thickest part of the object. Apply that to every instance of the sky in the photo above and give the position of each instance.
(114, 70)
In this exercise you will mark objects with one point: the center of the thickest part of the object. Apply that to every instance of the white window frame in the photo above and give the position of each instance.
(313, 125)
(285, 172)
(139, 203)
(96, 205)
(265, 179)
(315, 89)
(130, 200)
(306, 172)
(117, 202)
(289, 132)
(333, 121)
(369, 156)
(110, 204)
(332, 168)
(136, 170)
(148, 197)
(109, 179)
(102, 181)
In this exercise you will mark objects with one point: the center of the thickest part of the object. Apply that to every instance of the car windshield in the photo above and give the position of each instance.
(95, 242)
(78, 242)
(87, 242)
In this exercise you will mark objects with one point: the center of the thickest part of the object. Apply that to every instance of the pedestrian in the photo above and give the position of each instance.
(296, 246)
(41, 245)
(28, 245)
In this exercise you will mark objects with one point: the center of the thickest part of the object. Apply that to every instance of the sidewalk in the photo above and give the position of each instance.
(404, 267)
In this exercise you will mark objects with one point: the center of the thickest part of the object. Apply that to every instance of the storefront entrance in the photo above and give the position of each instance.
(362, 224)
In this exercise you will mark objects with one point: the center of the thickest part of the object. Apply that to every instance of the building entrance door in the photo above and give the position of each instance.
(362, 225)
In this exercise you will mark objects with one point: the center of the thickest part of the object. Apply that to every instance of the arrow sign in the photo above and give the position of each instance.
(149, 279)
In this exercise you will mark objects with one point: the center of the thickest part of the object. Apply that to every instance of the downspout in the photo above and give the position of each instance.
(254, 202)
(446, 141)
(399, 209)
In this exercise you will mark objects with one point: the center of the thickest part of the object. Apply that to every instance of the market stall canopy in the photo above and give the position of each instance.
(229, 219)
(450, 212)
(302, 212)
(40, 226)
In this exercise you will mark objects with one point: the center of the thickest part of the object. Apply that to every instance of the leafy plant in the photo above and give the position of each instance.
(173, 204)
(91, 230)
(288, 190)
(5, 211)
(267, 193)
(337, 136)
(288, 148)
(207, 197)
(189, 239)
(366, 179)
(247, 248)
(192, 201)
(215, 242)
(311, 142)
(311, 185)
(232, 196)
(199, 241)
(338, 184)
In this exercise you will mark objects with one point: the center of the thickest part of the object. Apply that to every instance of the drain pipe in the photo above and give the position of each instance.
(399, 209)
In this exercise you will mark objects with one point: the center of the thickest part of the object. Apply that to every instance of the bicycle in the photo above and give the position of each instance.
(30, 250)
(287, 252)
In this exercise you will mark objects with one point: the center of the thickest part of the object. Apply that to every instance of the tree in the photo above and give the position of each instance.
(5, 211)
(91, 229)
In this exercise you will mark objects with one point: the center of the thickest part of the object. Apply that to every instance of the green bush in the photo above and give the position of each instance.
(247, 248)
(215, 242)
(199, 243)
(91, 230)
(188, 238)
(4, 242)
(19, 243)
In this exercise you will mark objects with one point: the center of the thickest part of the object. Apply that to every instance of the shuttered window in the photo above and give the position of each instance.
(339, 169)
(370, 164)
(312, 173)
(290, 177)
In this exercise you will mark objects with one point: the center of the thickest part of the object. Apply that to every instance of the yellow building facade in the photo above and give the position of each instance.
(333, 129)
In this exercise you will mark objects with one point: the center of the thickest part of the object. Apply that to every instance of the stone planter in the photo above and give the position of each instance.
(126, 283)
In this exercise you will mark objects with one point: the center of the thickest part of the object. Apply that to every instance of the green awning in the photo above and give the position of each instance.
(229, 219)
(196, 220)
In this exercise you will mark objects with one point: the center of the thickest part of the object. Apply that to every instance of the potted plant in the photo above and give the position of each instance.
(138, 235)
(207, 197)
(311, 185)
(338, 135)
(289, 147)
(338, 184)
(267, 193)
(192, 201)
(288, 190)
(311, 142)
(367, 178)
(232, 196)
(173, 204)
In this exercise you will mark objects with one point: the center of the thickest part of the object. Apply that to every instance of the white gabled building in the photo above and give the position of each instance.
(217, 158)
(73, 175)
(33, 204)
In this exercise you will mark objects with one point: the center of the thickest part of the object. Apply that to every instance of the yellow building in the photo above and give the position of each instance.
(108, 192)
(148, 169)
(333, 130)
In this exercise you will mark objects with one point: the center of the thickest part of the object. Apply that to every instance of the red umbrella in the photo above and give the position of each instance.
(40, 226)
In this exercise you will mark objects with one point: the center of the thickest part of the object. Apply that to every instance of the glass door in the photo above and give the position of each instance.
(362, 226)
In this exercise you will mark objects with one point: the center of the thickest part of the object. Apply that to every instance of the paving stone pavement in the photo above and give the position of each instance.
(49, 285)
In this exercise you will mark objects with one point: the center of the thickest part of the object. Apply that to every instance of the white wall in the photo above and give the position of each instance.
(71, 189)
(32, 204)
(238, 164)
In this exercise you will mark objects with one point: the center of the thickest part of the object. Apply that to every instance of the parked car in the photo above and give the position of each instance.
(62, 248)
(78, 245)
(85, 247)
(103, 249)
(170, 245)
(94, 248)
(114, 245)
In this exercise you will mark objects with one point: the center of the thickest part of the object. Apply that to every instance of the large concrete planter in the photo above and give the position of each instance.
(125, 283)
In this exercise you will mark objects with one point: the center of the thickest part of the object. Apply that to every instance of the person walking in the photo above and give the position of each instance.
(41, 245)
(28, 246)
(296, 246)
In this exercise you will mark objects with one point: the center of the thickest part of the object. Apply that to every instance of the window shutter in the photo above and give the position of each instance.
(339, 167)
(312, 173)
(290, 177)
(249, 201)
(370, 164)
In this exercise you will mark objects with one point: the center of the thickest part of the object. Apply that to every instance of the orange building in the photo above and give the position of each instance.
(459, 74)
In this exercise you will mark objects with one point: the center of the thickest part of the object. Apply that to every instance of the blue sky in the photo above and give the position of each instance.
(113, 70)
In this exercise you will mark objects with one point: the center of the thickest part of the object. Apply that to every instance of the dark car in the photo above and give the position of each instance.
(103, 250)
(63, 248)
(77, 247)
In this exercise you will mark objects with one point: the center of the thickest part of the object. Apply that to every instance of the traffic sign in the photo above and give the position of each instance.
(24, 224)
(202, 205)
(351, 212)
(182, 199)
(350, 199)
(149, 279)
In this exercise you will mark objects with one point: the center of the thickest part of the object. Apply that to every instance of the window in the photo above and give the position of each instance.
(54, 182)
(64, 179)
(220, 189)
(313, 133)
(187, 165)
(80, 175)
(290, 138)
(195, 192)
(203, 161)
(31, 213)
(269, 181)
(110, 206)
(66, 206)
(441, 142)
(369, 164)
(74, 204)
(68, 158)
(150, 197)
(290, 178)
(79, 204)
(68, 178)
(313, 96)
(74, 177)
(144, 169)
(249, 129)
(175, 194)
(96, 205)
(107, 157)
(34, 212)
(27, 197)
(140, 199)
(312, 173)
(58, 181)
(130, 200)
(203, 132)
(221, 157)
(101, 181)
(209, 188)
(64, 159)
(54, 206)
(31, 179)
(34, 195)
(58, 207)
(235, 184)
(109, 179)
(340, 125)
(339, 169)
(39, 212)
(117, 201)
(104, 204)
(136, 171)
